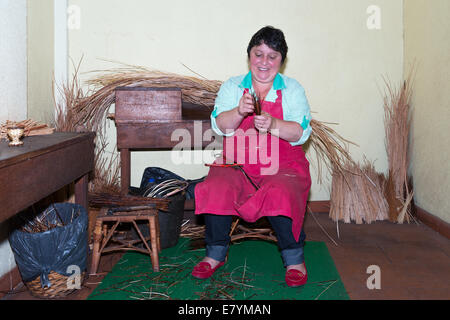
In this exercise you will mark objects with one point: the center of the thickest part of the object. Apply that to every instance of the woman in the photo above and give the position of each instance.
(277, 181)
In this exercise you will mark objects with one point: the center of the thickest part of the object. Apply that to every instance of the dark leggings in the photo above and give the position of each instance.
(217, 237)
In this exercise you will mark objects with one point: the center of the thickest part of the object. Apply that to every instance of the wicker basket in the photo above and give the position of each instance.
(58, 288)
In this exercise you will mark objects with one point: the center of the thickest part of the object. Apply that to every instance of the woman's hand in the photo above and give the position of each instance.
(246, 105)
(263, 122)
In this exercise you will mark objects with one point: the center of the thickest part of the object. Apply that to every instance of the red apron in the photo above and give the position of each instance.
(280, 170)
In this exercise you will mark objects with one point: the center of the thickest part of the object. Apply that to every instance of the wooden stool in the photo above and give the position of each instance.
(244, 232)
(127, 215)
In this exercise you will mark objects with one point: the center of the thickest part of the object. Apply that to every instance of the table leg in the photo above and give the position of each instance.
(125, 171)
(81, 191)
(154, 242)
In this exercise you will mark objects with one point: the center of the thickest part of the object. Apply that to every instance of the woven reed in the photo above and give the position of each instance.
(58, 288)
(99, 200)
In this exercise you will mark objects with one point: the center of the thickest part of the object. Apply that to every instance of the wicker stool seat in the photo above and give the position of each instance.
(103, 234)
(243, 232)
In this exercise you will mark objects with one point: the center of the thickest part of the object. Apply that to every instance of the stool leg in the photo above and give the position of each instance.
(96, 249)
(158, 237)
(104, 233)
(154, 242)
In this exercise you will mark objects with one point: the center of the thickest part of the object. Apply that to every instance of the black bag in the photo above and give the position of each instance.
(37, 254)
(157, 175)
(169, 221)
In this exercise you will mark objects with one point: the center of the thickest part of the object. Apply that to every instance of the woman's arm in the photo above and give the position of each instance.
(231, 119)
(296, 109)
(290, 131)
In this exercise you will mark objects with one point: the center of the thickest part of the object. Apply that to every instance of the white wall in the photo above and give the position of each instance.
(13, 60)
(427, 35)
(332, 52)
(13, 87)
(40, 60)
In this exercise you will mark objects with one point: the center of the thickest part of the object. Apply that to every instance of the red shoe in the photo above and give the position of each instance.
(295, 278)
(203, 270)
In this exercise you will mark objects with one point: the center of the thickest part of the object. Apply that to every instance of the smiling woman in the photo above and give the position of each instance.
(259, 142)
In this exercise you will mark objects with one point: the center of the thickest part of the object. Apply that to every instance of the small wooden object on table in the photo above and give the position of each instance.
(103, 234)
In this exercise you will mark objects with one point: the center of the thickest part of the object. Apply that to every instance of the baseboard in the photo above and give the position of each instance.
(433, 222)
(319, 206)
(9, 281)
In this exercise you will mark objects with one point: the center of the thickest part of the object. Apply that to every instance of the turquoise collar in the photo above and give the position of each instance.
(278, 82)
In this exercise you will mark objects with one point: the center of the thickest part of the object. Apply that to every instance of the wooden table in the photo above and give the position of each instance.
(146, 118)
(42, 166)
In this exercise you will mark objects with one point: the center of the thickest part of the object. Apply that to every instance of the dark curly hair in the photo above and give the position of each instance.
(273, 38)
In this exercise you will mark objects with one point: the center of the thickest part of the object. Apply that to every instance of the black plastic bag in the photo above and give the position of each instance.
(169, 223)
(157, 175)
(37, 254)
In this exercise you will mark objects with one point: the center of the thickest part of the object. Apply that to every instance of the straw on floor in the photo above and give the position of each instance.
(254, 271)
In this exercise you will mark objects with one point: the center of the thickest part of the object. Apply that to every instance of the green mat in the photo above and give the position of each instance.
(254, 271)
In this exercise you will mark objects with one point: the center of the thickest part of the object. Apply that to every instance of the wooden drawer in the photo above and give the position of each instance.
(163, 134)
(141, 103)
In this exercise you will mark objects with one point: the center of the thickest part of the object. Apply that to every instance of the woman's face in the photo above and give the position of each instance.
(265, 63)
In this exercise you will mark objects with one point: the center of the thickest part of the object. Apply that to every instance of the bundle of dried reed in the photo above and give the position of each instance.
(330, 148)
(397, 128)
(357, 194)
(69, 110)
(32, 128)
(106, 178)
(194, 90)
(75, 112)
